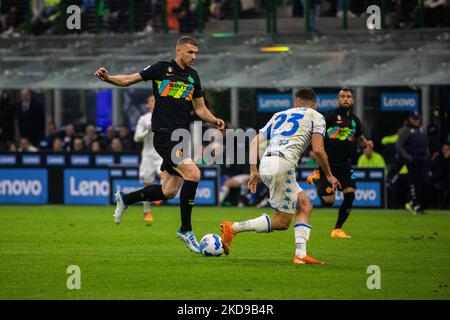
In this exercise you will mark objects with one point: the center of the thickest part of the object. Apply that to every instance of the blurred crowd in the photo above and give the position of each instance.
(399, 13)
(23, 129)
(187, 16)
(416, 159)
(416, 164)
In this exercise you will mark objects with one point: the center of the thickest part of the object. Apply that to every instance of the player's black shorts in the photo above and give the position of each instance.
(164, 146)
(343, 172)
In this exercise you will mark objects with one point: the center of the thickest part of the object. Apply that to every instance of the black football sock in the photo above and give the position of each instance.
(149, 193)
(345, 209)
(187, 196)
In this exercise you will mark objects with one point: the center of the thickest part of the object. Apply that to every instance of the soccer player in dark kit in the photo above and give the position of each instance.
(344, 129)
(177, 90)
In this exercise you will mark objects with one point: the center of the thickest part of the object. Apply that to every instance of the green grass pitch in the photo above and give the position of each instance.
(138, 261)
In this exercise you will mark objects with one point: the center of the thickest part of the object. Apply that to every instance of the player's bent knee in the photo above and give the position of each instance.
(349, 197)
(281, 221)
(282, 225)
(194, 175)
(327, 203)
(170, 193)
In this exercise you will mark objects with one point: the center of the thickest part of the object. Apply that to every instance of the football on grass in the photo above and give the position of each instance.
(211, 245)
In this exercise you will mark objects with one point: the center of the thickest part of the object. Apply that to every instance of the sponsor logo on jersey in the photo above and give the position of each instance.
(342, 134)
(175, 89)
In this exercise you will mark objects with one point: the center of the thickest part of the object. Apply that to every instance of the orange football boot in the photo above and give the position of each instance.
(313, 176)
(227, 235)
(158, 202)
(148, 217)
(307, 260)
(339, 233)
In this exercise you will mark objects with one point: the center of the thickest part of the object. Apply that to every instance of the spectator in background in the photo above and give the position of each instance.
(116, 145)
(78, 144)
(314, 12)
(31, 117)
(340, 9)
(26, 146)
(370, 158)
(405, 11)
(57, 145)
(126, 139)
(11, 16)
(413, 149)
(6, 121)
(90, 136)
(440, 165)
(114, 18)
(436, 12)
(110, 135)
(45, 14)
(96, 146)
(69, 136)
(187, 16)
(52, 133)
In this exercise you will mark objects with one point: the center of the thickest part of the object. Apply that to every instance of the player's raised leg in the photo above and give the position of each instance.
(149, 193)
(278, 221)
(324, 188)
(302, 230)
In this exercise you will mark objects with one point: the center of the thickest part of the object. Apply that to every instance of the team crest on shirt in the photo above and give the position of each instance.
(169, 69)
(179, 153)
(191, 80)
(339, 119)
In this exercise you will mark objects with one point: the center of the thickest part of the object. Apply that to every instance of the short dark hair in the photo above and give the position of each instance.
(187, 40)
(306, 94)
(346, 89)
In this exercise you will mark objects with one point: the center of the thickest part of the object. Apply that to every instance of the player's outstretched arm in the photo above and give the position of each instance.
(118, 80)
(202, 111)
(322, 159)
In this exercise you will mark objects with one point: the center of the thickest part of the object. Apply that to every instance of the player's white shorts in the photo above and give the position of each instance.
(278, 174)
(149, 169)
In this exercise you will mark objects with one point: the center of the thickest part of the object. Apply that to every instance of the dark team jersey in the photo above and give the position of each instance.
(174, 89)
(341, 136)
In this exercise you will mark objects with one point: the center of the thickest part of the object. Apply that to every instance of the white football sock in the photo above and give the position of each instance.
(146, 206)
(302, 232)
(260, 224)
(223, 193)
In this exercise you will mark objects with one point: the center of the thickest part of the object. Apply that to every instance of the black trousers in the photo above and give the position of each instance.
(419, 182)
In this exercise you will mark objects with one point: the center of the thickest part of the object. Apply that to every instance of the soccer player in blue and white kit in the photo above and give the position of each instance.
(289, 133)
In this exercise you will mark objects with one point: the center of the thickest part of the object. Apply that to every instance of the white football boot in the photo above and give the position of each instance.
(120, 207)
(189, 240)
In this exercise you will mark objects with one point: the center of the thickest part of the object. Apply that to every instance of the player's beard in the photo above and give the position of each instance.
(346, 107)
